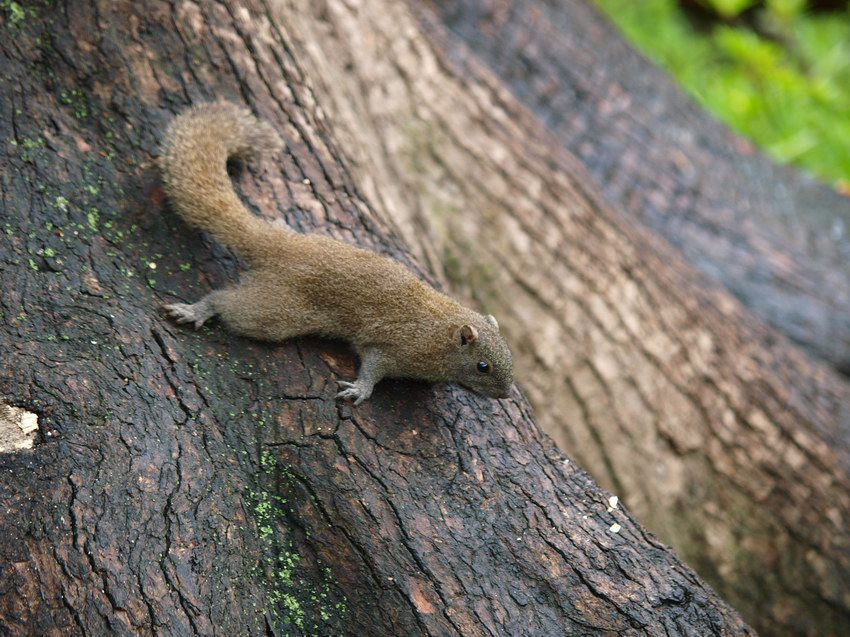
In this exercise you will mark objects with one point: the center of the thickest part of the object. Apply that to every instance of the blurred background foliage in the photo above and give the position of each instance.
(777, 71)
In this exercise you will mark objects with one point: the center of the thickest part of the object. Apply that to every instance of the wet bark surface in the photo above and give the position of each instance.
(777, 239)
(723, 438)
(198, 483)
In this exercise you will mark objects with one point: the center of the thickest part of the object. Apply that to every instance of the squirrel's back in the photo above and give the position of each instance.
(193, 158)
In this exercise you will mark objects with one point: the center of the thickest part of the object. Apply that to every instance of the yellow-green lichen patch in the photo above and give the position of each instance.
(15, 13)
(295, 601)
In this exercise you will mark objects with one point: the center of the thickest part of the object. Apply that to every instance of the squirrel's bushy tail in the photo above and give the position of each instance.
(193, 159)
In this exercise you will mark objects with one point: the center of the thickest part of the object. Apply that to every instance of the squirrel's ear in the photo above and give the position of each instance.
(466, 335)
(492, 321)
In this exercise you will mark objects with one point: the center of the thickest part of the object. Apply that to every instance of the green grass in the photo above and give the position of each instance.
(785, 86)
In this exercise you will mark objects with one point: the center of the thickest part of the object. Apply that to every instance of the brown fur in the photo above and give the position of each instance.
(308, 284)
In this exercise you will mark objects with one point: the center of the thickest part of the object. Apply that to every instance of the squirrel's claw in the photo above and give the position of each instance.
(354, 391)
(183, 313)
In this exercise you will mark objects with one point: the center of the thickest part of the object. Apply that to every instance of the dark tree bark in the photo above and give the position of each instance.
(201, 484)
(775, 238)
(722, 436)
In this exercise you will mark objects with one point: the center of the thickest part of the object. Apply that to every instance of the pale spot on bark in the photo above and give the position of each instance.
(419, 600)
(143, 75)
(82, 145)
(92, 284)
(189, 15)
(18, 428)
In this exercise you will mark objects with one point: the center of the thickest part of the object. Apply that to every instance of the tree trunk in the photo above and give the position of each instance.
(720, 435)
(201, 484)
(775, 238)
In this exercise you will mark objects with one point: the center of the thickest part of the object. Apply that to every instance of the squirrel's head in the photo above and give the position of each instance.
(482, 361)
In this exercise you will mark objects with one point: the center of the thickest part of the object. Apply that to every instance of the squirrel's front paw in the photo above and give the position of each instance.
(356, 391)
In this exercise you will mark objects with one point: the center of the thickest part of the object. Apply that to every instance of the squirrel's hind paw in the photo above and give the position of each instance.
(183, 313)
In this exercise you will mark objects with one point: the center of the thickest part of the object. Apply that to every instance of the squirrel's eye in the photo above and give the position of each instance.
(483, 367)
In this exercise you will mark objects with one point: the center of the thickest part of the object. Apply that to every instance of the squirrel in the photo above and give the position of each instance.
(306, 284)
